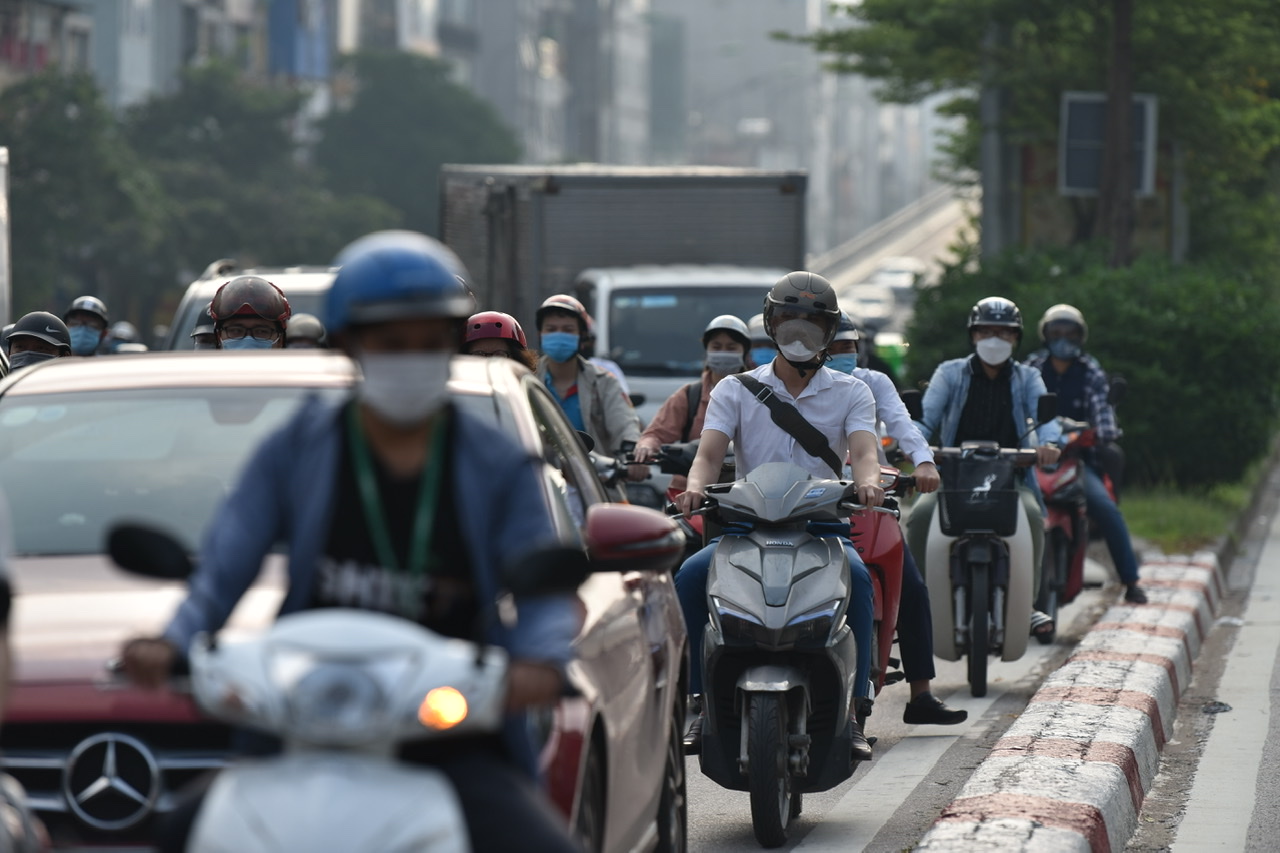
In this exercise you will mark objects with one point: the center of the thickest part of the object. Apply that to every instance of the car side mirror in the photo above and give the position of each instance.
(1046, 408)
(148, 552)
(625, 538)
(1118, 391)
(638, 399)
(914, 401)
(588, 443)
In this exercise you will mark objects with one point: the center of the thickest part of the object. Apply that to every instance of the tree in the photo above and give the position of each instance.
(407, 119)
(1212, 65)
(85, 212)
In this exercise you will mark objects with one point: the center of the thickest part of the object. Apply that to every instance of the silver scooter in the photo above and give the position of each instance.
(779, 659)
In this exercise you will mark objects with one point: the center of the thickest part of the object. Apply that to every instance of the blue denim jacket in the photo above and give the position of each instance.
(948, 390)
(286, 494)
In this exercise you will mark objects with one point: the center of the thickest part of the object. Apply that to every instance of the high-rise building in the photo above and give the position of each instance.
(40, 34)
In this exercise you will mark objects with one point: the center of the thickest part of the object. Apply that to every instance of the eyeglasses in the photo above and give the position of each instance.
(498, 354)
(1003, 332)
(258, 333)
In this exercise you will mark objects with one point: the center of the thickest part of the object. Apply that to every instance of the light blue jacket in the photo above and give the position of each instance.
(286, 494)
(948, 390)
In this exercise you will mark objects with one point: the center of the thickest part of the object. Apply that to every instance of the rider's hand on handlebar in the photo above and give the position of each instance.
(645, 453)
(148, 661)
(689, 500)
(637, 473)
(927, 479)
(1047, 455)
(870, 495)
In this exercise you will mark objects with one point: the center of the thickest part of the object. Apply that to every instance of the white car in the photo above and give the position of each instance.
(873, 304)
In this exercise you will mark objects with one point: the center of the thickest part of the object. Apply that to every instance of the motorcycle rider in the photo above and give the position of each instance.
(989, 396)
(762, 349)
(495, 334)
(435, 505)
(681, 416)
(38, 336)
(123, 337)
(203, 336)
(801, 315)
(591, 397)
(249, 313)
(86, 319)
(305, 331)
(915, 621)
(1083, 389)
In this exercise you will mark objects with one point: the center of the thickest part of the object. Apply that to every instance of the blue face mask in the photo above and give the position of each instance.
(85, 340)
(246, 342)
(762, 355)
(560, 346)
(843, 363)
(1064, 348)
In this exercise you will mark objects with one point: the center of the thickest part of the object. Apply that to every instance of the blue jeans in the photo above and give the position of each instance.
(691, 586)
(1104, 513)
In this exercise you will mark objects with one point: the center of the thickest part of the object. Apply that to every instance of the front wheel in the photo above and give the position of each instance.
(768, 779)
(979, 628)
(1053, 581)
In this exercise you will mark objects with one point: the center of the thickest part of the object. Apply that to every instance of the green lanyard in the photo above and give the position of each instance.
(375, 517)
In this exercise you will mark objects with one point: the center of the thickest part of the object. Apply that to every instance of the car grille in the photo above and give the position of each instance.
(148, 764)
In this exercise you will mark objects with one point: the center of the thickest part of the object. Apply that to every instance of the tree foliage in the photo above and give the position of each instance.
(407, 118)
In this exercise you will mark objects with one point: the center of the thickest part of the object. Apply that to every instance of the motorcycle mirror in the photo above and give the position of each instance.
(914, 401)
(588, 442)
(626, 538)
(1046, 408)
(1119, 389)
(148, 552)
(547, 571)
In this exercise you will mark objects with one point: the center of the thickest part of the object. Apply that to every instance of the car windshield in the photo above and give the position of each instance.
(73, 465)
(299, 303)
(657, 330)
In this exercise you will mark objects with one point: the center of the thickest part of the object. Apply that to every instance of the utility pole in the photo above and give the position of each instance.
(991, 151)
(1115, 196)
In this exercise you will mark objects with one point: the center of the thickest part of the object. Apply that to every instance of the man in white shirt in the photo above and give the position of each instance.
(801, 315)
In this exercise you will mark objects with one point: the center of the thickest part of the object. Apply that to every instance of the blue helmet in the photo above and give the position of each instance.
(396, 275)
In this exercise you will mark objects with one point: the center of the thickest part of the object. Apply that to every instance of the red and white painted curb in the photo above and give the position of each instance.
(1072, 772)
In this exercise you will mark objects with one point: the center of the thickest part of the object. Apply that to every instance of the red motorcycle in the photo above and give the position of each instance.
(877, 537)
(1066, 534)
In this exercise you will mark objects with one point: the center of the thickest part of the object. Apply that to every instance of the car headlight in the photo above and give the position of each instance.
(813, 626)
(332, 702)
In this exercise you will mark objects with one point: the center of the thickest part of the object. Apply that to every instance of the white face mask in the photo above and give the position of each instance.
(724, 362)
(994, 351)
(404, 389)
(799, 340)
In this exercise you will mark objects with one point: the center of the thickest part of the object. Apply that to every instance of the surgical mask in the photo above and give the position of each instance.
(404, 389)
(560, 346)
(799, 340)
(843, 363)
(246, 343)
(26, 358)
(724, 362)
(762, 355)
(1064, 348)
(995, 351)
(85, 340)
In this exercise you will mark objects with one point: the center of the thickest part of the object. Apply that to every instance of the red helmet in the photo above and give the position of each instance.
(250, 296)
(494, 324)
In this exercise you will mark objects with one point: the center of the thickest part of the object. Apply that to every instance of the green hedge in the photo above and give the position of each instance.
(1199, 345)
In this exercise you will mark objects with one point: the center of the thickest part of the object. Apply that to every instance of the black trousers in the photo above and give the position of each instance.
(915, 622)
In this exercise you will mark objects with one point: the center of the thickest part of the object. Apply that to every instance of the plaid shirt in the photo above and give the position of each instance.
(1102, 415)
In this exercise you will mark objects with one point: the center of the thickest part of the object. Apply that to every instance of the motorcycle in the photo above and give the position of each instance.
(877, 537)
(779, 659)
(1066, 535)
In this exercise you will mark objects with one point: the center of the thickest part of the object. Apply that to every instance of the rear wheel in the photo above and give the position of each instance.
(1053, 581)
(768, 779)
(979, 628)
(673, 806)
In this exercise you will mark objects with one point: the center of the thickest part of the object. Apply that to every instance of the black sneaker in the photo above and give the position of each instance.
(861, 749)
(1133, 594)
(693, 737)
(928, 710)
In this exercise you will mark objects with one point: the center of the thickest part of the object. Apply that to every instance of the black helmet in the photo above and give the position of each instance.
(250, 296)
(43, 325)
(304, 327)
(204, 324)
(805, 293)
(90, 305)
(996, 311)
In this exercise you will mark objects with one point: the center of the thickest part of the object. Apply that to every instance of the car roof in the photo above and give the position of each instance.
(215, 368)
(288, 279)
(712, 275)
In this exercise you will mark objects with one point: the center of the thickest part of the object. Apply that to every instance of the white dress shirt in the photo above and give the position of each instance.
(837, 404)
(891, 411)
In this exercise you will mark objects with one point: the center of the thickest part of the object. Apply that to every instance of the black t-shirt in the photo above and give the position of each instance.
(988, 410)
(443, 598)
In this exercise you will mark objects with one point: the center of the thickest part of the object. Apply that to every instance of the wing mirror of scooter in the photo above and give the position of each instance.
(1046, 408)
(914, 401)
(149, 552)
(625, 538)
(588, 443)
(1119, 389)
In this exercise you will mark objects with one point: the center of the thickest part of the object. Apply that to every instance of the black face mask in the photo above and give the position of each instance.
(26, 358)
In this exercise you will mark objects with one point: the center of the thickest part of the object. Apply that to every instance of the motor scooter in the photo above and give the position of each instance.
(1066, 535)
(779, 659)
(877, 537)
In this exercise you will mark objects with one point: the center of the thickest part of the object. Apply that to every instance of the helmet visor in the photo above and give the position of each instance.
(241, 298)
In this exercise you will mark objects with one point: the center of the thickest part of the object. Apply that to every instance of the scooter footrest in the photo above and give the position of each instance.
(894, 677)
(894, 663)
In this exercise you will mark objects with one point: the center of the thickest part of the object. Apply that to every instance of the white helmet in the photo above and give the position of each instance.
(1063, 313)
(735, 328)
(756, 330)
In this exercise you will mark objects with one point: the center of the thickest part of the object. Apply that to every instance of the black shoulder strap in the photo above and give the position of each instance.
(693, 393)
(788, 417)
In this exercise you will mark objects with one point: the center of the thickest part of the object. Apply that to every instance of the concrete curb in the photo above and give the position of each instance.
(1071, 773)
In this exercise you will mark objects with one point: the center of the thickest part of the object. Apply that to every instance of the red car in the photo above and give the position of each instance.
(159, 438)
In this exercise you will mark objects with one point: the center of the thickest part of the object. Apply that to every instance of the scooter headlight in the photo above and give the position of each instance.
(813, 626)
(736, 625)
(333, 702)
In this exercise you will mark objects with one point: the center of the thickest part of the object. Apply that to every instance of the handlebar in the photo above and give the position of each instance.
(1022, 457)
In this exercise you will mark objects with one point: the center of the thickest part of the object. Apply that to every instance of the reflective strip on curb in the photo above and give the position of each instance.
(1072, 771)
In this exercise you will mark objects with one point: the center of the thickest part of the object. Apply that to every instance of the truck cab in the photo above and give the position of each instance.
(649, 319)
